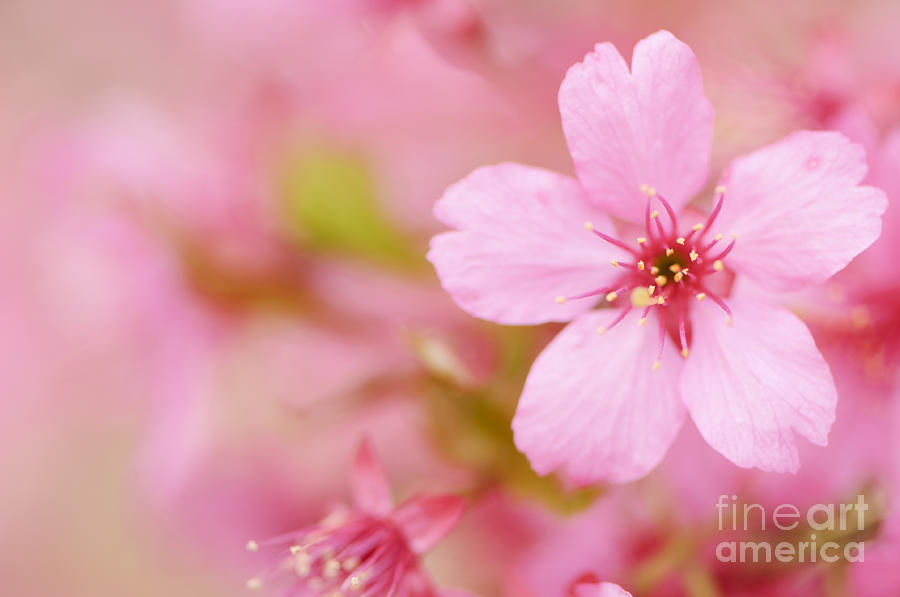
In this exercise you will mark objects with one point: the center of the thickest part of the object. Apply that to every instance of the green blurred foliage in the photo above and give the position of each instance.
(331, 206)
(472, 422)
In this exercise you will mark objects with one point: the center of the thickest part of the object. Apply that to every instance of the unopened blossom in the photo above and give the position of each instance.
(691, 326)
(371, 549)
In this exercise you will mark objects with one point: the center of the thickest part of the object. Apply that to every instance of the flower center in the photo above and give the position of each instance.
(341, 556)
(665, 272)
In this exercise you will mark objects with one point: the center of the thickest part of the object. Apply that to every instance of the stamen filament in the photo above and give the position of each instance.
(718, 300)
(616, 321)
(613, 241)
(724, 252)
(669, 210)
(720, 199)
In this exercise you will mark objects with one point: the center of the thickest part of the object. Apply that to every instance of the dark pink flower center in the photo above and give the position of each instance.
(344, 555)
(666, 270)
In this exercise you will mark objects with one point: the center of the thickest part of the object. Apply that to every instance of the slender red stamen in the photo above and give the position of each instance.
(589, 293)
(659, 227)
(670, 211)
(647, 225)
(645, 312)
(718, 300)
(713, 214)
(662, 339)
(614, 241)
(712, 243)
(724, 252)
(622, 314)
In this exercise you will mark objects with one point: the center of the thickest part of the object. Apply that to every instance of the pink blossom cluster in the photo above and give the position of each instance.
(450, 298)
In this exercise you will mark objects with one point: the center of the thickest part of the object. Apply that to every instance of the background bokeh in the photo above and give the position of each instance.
(212, 237)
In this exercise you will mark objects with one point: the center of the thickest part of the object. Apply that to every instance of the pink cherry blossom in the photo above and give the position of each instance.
(370, 549)
(591, 587)
(528, 247)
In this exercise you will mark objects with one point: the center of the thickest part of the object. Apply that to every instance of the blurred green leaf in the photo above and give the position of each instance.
(331, 206)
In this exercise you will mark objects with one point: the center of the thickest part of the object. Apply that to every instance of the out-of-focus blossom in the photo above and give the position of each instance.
(372, 548)
(595, 588)
(755, 377)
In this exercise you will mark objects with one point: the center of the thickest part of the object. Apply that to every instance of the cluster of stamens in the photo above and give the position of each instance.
(663, 271)
(342, 556)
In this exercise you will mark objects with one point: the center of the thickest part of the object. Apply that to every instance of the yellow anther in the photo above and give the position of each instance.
(641, 265)
(685, 352)
(718, 265)
(252, 545)
(611, 297)
(680, 240)
(295, 549)
(698, 226)
(642, 321)
(694, 255)
(661, 300)
(601, 329)
(674, 268)
(254, 584)
(720, 190)
(734, 235)
(648, 190)
(640, 297)
(331, 569)
(661, 281)
(701, 296)
(718, 236)
(654, 214)
(355, 583)
(669, 252)
(678, 277)
(651, 289)
(350, 563)
(588, 226)
(641, 240)
(654, 270)
(315, 583)
(614, 263)
(656, 365)
(560, 300)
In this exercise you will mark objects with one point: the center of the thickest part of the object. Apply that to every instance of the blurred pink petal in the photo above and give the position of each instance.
(354, 550)
(598, 589)
(371, 492)
(426, 519)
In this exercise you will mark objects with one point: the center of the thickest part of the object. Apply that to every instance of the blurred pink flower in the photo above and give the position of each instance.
(590, 407)
(592, 588)
(370, 549)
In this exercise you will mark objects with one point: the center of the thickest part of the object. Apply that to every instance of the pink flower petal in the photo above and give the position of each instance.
(520, 243)
(750, 384)
(650, 127)
(606, 589)
(593, 407)
(371, 490)
(798, 211)
(425, 519)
